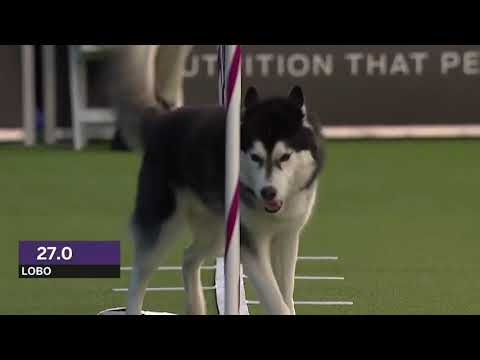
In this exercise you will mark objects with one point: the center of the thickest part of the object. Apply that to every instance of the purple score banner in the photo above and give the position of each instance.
(69, 253)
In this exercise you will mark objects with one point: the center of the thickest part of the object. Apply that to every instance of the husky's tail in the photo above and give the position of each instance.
(145, 77)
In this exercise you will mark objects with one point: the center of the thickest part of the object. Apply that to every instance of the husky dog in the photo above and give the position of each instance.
(182, 185)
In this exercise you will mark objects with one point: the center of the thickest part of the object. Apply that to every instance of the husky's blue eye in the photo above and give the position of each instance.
(285, 158)
(256, 158)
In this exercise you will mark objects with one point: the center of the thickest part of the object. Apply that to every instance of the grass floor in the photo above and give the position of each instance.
(402, 216)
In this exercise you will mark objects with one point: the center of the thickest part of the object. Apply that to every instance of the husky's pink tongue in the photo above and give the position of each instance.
(273, 206)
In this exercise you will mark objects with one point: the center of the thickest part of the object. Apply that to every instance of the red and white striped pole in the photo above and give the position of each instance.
(230, 65)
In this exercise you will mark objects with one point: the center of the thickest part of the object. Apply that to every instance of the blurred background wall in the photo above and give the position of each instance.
(345, 85)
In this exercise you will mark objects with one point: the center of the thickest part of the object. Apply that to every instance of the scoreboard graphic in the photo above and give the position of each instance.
(69, 259)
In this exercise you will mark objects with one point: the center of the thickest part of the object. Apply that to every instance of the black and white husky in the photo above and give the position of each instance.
(182, 185)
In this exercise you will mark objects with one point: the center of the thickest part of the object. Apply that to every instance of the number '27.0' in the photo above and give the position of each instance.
(48, 253)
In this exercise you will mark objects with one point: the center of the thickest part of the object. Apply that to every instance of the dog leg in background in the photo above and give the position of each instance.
(145, 76)
(170, 63)
(259, 270)
(284, 258)
(132, 90)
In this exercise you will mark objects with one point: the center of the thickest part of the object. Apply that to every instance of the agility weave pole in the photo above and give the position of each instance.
(230, 88)
(220, 289)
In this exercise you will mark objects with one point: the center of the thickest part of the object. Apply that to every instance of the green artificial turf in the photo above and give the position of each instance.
(402, 217)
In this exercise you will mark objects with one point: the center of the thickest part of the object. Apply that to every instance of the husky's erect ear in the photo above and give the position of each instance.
(251, 98)
(297, 97)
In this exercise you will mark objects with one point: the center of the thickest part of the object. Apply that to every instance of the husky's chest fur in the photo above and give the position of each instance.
(255, 223)
(295, 216)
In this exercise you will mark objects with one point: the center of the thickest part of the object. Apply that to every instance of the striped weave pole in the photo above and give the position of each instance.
(230, 71)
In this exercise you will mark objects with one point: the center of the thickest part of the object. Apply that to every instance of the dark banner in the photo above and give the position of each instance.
(344, 85)
(358, 85)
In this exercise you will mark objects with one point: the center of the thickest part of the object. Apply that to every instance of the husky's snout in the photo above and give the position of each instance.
(272, 204)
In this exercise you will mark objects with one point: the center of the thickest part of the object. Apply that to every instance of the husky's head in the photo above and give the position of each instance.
(282, 150)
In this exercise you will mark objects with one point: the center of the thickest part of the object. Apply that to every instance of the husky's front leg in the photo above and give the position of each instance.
(284, 257)
(258, 268)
